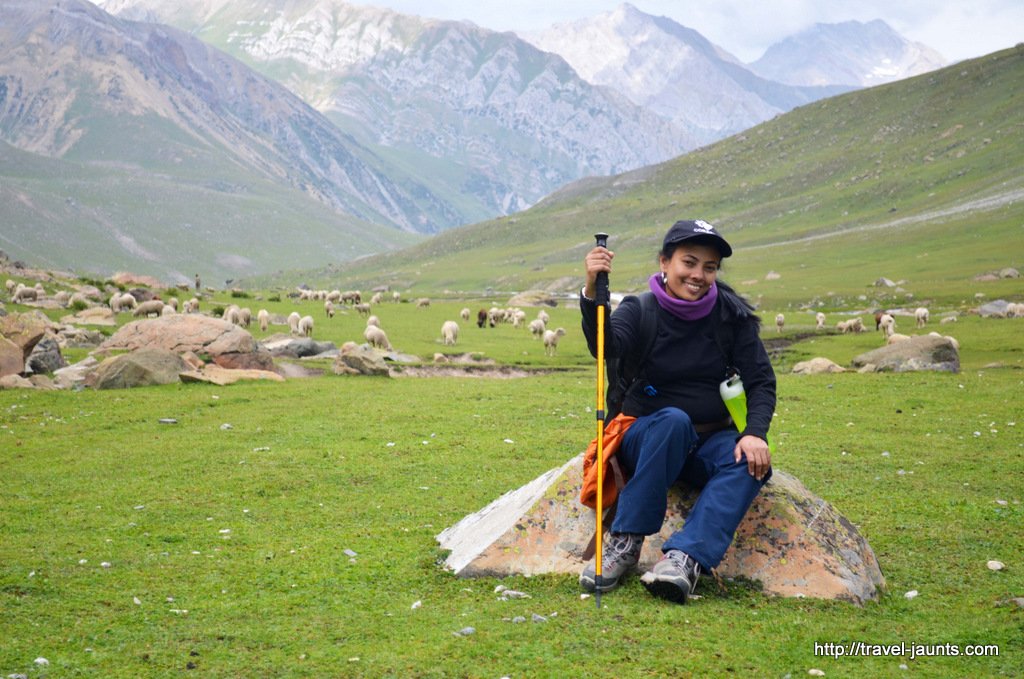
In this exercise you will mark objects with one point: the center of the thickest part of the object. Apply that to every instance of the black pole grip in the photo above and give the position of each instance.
(602, 296)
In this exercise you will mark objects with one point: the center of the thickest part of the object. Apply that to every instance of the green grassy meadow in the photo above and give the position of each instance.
(288, 529)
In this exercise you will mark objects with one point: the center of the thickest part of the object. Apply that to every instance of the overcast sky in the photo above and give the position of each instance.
(957, 29)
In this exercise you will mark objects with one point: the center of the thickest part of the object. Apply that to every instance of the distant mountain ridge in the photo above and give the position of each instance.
(674, 71)
(848, 53)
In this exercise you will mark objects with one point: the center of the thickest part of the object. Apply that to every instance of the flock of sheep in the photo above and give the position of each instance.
(303, 325)
(886, 323)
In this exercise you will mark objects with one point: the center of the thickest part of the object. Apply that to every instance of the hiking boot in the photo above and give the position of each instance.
(620, 554)
(673, 578)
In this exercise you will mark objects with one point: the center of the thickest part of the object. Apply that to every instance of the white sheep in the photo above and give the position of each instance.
(377, 298)
(11, 286)
(245, 317)
(293, 322)
(329, 309)
(1014, 310)
(128, 301)
(895, 337)
(153, 306)
(192, 306)
(376, 337)
(263, 318)
(450, 333)
(23, 294)
(921, 316)
(306, 326)
(819, 319)
(363, 309)
(168, 310)
(518, 318)
(887, 324)
(63, 298)
(465, 313)
(373, 320)
(780, 320)
(551, 340)
(422, 303)
(543, 315)
(396, 297)
(537, 328)
(173, 303)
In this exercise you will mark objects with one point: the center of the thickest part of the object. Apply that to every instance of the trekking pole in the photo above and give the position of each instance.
(602, 297)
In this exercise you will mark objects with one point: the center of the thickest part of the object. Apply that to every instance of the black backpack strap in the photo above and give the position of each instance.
(624, 372)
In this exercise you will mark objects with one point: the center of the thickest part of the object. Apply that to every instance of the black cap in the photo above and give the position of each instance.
(685, 229)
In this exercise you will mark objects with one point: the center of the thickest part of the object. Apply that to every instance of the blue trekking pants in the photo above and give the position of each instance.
(662, 449)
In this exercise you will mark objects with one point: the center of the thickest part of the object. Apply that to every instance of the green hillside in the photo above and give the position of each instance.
(93, 218)
(920, 181)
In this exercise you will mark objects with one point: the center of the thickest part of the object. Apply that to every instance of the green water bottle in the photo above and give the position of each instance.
(735, 399)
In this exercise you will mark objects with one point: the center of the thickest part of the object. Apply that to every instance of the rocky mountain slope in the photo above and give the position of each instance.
(673, 71)
(486, 119)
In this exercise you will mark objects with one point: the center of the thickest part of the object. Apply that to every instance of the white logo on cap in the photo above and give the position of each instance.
(701, 225)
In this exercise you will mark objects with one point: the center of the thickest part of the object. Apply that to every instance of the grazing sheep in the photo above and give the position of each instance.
(819, 318)
(128, 301)
(465, 314)
(329, 309)
(921, 316)
(233, 315)
(173, 303)
(334, 296)
(363, 309)
(263, 318)
(551, 340)
(422, 303)
(543, 315)
(481, 318)
(23, 294)
(377, 298)
(780, 320)
(63, 298)
(948, 319)
(450, 333)
(396, 297)
(293, 322)
(376, 337)
(850, 325)
(887, 323)
(518, 318)
(11, 286)
(537, 328)
(192, 306)
(153, 306)
(306, 326)
(373, 320)
(351, 297)
(168, 310)
(245, 317)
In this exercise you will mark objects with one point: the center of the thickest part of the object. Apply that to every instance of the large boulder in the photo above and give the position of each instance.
(534, 298)
(791, 541)
(296, 347)
(24, 331)
(141, 368)
(45, 357)
(12, 359)
(923, 352)
(361, 359)
(97, 315)
(226, 344)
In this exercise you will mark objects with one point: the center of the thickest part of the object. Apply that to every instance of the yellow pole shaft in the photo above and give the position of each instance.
(600, 443)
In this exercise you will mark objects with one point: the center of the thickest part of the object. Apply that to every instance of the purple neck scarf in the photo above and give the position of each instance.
(681, 308)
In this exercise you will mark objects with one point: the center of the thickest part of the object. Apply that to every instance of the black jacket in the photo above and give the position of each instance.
(688, 362)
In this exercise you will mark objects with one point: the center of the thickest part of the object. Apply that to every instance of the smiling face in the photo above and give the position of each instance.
(691, 270)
